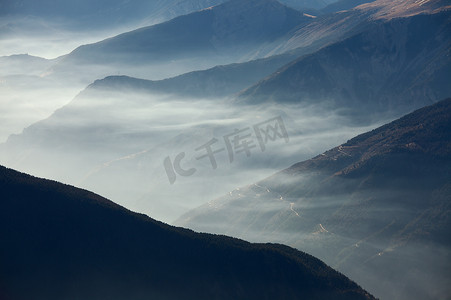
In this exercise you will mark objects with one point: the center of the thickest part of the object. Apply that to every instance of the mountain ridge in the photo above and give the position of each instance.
(61, 241)
(376, 206)
(211, 37)
(407, 62)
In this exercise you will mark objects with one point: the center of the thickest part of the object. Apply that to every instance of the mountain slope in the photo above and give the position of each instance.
(376, 207)
(219, 81)
(343, 5)
(303, 4)
(61, 242)
(397, 65)
(23, 64)
(102, 14)
(327, 28)
(229, 31)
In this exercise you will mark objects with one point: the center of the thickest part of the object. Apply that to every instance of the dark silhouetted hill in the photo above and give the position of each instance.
(60, 242)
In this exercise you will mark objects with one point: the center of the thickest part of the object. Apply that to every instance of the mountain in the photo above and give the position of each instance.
(103, 13)
(219, 81)
(343, 5)
(306, 4)
(326, 28)
(376, 207)
(60, 74)
(27, 95)
(122, 125)
(235, 31)
(100, 13)
(23, 64)
(230, 31)
(83, 135)
(395, 65)
(54, 28)
(116, 122)
(387, 10)
(61, 242)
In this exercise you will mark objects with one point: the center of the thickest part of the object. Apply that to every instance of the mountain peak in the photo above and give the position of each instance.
(225, 33)
(389, 9)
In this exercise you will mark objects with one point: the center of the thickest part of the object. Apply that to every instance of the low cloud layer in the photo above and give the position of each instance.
(125, 145)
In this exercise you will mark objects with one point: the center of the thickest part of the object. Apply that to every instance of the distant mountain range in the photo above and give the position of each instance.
(365, 71)
(23, 64)
(365, 58)
(60, 242)
(342, 5)
(381, 70)
(377, 206)
(109, 13)
(44, 78)
(231, 32)
(397, 65)
(225, 32)
(101, 14)
(219, 81)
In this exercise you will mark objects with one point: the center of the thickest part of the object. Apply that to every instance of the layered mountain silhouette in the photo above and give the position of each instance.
(101, 14)
(396, 65)
(342, 5)
(303, 4)
(231, 30)
(376, 207)
(108, 13)
(219, 81)
(361, 72)
(235, 31)
(85, 132)
(327, 28)
(60, 242)
(23, 64)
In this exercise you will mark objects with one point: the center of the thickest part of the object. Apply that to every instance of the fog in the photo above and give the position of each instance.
(177, 158)
(32, 88)
(29, 99)
(370, 244)
(115, 143)
(51, 37)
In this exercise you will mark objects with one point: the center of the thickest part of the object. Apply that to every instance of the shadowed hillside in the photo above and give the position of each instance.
(60, 242)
